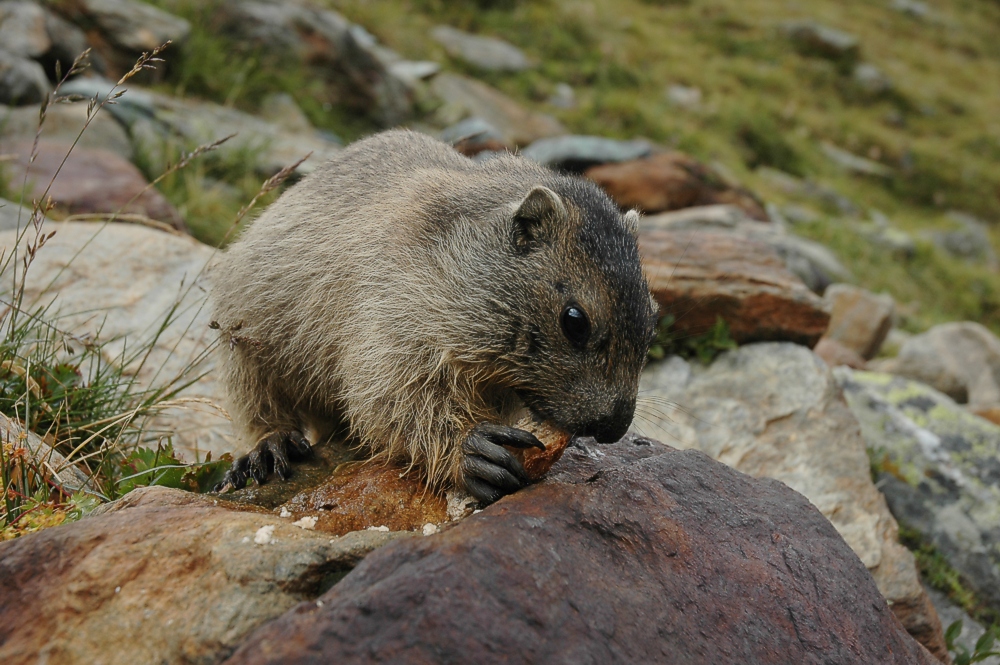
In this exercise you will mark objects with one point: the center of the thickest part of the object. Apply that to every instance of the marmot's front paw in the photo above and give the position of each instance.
(271, 454)
(488, 470)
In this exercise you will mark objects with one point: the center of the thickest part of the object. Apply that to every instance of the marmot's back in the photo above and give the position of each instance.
(412, 293)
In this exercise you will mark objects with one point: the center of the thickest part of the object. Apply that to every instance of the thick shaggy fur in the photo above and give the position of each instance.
(397, 292)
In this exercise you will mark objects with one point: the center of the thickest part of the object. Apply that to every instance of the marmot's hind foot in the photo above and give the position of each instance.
(272, 454)
(489, 471)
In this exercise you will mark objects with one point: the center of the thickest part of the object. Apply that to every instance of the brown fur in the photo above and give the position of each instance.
(390, 292)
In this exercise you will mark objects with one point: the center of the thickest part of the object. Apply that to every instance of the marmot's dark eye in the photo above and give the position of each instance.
(576, 326)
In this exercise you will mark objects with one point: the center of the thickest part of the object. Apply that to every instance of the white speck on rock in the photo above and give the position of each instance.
(264, 535)
(306, 523)
(118, 589)
(284, 512)
(430, 529)
(377, 528)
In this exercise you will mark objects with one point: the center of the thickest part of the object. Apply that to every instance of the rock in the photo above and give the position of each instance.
(811, 262)
(914, 8)
(280, 109)
(854, 164)
(971, 629)
(941, 470)
(971, 241)
(684, 97)
(125, 28)
(700, 276)
(669, 181)
(859, 320)
(896, 241)
(62, 475)
(834, 354)
(63, 124)
(486, 53)
(473, 136)
(794, 186)
(642, 555)
(365, 76)
(797, 214)
(464, 97)
(22, 81)
(816, 39)
(577, 153)
(960, 359)
(776, 411)
(162, 576)
(126, 291)
(68, 43)
(22, 29)
(158, 121)
(871, 80)
(563, 97)
(90, 180)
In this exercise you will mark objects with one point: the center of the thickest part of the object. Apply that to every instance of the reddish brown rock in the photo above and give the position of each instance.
(859, 320)
(700, 276)
(164, 576)
(368, 495)
(670, 181)
(836, 354)
(90, 181)
(641, 554)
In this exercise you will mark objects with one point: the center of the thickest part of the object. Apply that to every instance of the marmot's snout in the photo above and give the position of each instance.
(612, 427)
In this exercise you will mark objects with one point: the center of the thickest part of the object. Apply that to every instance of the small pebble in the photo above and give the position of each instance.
(306, 523)
(264, 535)
(284, 512)
(430, 529)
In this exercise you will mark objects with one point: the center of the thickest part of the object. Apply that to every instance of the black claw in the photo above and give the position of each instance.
(272, 454)
(489, 470)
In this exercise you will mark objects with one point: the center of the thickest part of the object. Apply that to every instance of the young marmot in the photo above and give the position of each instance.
(421, 300)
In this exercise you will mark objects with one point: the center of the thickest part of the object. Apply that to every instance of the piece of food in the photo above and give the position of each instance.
(538, 462)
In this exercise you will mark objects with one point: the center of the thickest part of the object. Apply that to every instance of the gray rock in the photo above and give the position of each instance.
(871, 80)
(854, 164)
(62, 474)
(774, 410)
(22, 29)
(162, 576)
(684, 97)
(812, 38)
(470, 128)
(576, 152)
(125, 292)
(22, 81)
(914, 8)
(280, 109)
(463, 97)
(68, 43)
(971, 241)
(972, 630)
(63, 123)
(367, 76)
(132, 26)
(960, 359)
(13, 216)
(894, 240)
(794, 186)
(487, 53)
(859, 320)
(946, 470)
(563, 97)
(797, 214)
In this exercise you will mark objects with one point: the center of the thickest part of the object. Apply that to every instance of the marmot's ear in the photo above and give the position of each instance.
(537, 217)
(631, 220)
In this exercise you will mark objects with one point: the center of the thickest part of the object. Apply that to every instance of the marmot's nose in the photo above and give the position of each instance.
(610, 428)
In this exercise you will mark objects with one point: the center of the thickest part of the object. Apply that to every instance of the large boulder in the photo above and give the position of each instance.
(670, 181)
(162, 576)
(64, 123)
(775, 411)
(121, 283)
(82, 181)
(22, 81)
(632, 552)
(940, 470)
(960, 359)
(701, 276)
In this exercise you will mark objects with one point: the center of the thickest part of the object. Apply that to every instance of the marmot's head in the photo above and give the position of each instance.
(584, 319)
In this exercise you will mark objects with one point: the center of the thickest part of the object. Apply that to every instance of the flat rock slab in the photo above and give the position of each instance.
(163, 576)
(671, 181)
(700, 276)
(88, 180)
(628, 553)
(483, 52)
(125, 281)
(776, 411)
(859, 320)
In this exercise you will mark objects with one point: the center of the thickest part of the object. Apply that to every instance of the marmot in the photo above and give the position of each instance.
(420, 300)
